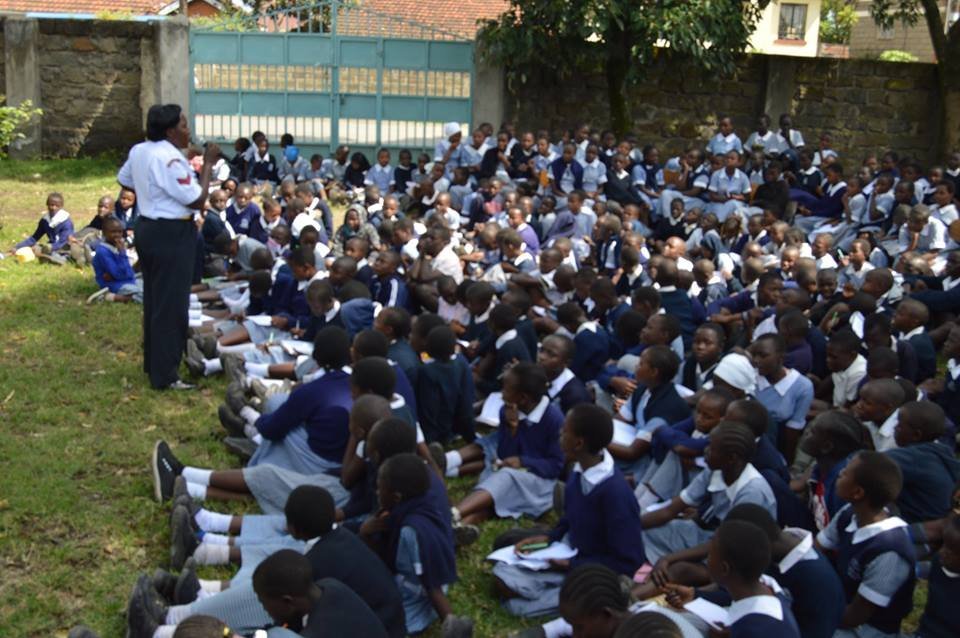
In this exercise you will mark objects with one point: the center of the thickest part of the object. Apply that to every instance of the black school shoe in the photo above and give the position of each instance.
(241, 446)
(164, 582)
(456, 627)
(207, 344)
(232, 423)
(140, 622)
(166, 468)
(439, 456)
(234, 367)
(183, 538)
(236, 398)
(153, 603)
(188, 585)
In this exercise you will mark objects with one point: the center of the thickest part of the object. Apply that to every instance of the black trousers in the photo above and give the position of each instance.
(166, 249)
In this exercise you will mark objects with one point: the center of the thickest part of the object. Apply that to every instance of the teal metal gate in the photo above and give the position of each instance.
(332, 73)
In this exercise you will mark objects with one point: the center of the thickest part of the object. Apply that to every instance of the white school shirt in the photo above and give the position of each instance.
(594, 175)
(846, 384)
(769, 142)
(820, 156)
(723, 183)
(932, 237)
(858, 208)
(447, 263)
(947, 215)
(795, 138)
(380, 176)
(721, 145)
(163, 180)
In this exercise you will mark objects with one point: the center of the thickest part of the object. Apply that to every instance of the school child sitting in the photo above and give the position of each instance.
(939, 619)
(521, 462)
(725, 140)
(653, 404)
(325, 608)
(243, 212)
(878, 409)
(943, 208)
(418, 542)
(706, 350)
(111, 267)
(872, 549)
(293, 167)
(263, 166)
(847, 368)
(739, 554)
(785, 393)
(946, 391)
(923, 236)
(910, 320)
(930, 469)
(729, 188)
(507, 348)
(269, 219)
(56, 226)
(444, 389)
(733, 477)
(516, 258)
(354, 226)
(388, 288)
(591, 340)
(566, 390)
(601, 519)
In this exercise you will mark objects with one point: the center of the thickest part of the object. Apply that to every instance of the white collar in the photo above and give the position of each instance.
(317, 276)
(270, 225)
(505, 337)
(397, 402)
(363, 262)
(109, 247)
(668, 289)
(587, 325)
(780, 386)
(861, 534)
(953, 368)
(890, 424)
(948, 573)
(916, 331)
(833, 189)
(562, 380)
(765, 605)
(261, 158)
(537, 413)
(599, 472)
(802, 551)
(727, 138)
(717, 484)
(59, 217)
(330, 314)
(380, 168)
(485, 315)
(809, 171)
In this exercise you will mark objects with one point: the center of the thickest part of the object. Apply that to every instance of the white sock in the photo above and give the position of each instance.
(240, 348)
(196, 475)
(258, 439)
(212, 366)
(197, 492)
(166, 631)
(250, 431)
(211, 586)
(454, 461)
(557, 628)
(194, 297)
(207, 554)
(258, 369)
(249, 415)
(216, 539)
(212, 521)
(176, 614)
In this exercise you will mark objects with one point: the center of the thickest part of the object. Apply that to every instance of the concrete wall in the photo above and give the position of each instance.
(765, 38)
(866, 106)
(867, 40)
(94, 79)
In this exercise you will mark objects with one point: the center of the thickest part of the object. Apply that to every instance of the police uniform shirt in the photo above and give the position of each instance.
(163, 180)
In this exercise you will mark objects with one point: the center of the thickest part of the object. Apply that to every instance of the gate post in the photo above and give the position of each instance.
(172, 75)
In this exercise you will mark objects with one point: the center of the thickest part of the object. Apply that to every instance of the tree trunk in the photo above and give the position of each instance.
(618, 61)
(946, 48)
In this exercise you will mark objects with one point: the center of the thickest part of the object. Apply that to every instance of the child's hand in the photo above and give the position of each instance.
(278, 322)
(560, 564)
(511, 461)
(660, 574)
(297, 332)
(678, 595)
(533, 540)
(375, 524)
(623, 386)
(722, 632)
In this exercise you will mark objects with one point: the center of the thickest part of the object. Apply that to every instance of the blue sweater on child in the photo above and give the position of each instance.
(536, 441)
(113, 262)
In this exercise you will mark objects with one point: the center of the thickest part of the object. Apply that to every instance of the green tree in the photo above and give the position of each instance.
(837, 18)
(623, 37)
(13, 121)
(946, 47)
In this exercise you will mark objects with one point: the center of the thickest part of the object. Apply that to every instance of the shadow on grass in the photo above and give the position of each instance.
(60, 170)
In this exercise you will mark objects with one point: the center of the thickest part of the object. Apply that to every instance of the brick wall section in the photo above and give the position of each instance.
(866, 105)
(90, 85)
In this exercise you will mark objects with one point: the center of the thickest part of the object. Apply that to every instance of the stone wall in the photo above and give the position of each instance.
(90, 85)
(867, 106)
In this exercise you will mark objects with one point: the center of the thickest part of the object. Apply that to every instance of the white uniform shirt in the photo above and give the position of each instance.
(163, 180)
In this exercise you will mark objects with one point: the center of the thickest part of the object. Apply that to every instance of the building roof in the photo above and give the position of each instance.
(454, 16)
(136, 7)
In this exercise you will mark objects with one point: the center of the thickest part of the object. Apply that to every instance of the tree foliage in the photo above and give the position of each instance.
(622, 36)
(837, 18)
(13, 120)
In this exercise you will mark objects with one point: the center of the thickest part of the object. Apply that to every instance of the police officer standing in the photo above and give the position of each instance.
(168, 193)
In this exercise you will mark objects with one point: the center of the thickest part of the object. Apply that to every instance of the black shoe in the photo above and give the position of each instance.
(187, 585)
(207, 344)
(464, 535)
(241, 446)
(166, 468)
(153, 602)
(236, 398)
(194, 360)
(82, 631)
(456, 627)
(234, 367)
(439, 456)
(140, 622)
(180, 490)
(183, 540)
(232, 423)
(164, 582)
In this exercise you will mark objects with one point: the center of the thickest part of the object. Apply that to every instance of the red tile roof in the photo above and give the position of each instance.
(456, 16)
(136, 7)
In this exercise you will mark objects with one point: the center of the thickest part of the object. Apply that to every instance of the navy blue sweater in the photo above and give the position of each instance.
(817, 593)
(930, 470)
(536, 443)
(940, 618)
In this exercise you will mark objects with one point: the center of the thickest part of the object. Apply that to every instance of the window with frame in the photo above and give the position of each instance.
(793, 22)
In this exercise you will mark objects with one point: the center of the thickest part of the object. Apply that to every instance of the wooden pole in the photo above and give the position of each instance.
(183, 7)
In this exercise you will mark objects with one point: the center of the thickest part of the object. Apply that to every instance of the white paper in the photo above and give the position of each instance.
(490, 414)
(261, 320)
(294, 347)
(623, 433)
(713, 615)
(535, 561)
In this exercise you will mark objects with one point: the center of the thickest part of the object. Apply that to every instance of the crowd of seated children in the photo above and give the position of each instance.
(731, 376)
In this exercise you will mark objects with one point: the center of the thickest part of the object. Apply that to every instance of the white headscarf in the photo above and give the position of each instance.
(737, 371)
(450, 129)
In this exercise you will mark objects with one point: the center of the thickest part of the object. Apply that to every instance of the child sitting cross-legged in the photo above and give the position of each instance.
(872, 549)
(521, 461)
(112, 268)
(57, 227)
(601, 519)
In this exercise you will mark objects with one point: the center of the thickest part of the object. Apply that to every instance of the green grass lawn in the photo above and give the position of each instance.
(78, 522)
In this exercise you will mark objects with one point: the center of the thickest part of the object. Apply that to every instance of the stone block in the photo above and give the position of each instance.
(898, 84)
(82, 44)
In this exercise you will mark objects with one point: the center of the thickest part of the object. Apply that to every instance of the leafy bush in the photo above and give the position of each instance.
(893, 55)
(13, 119)
(837, 18)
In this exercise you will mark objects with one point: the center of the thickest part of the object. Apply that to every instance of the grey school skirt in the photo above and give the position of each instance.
(271, 485)
(514, 492)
